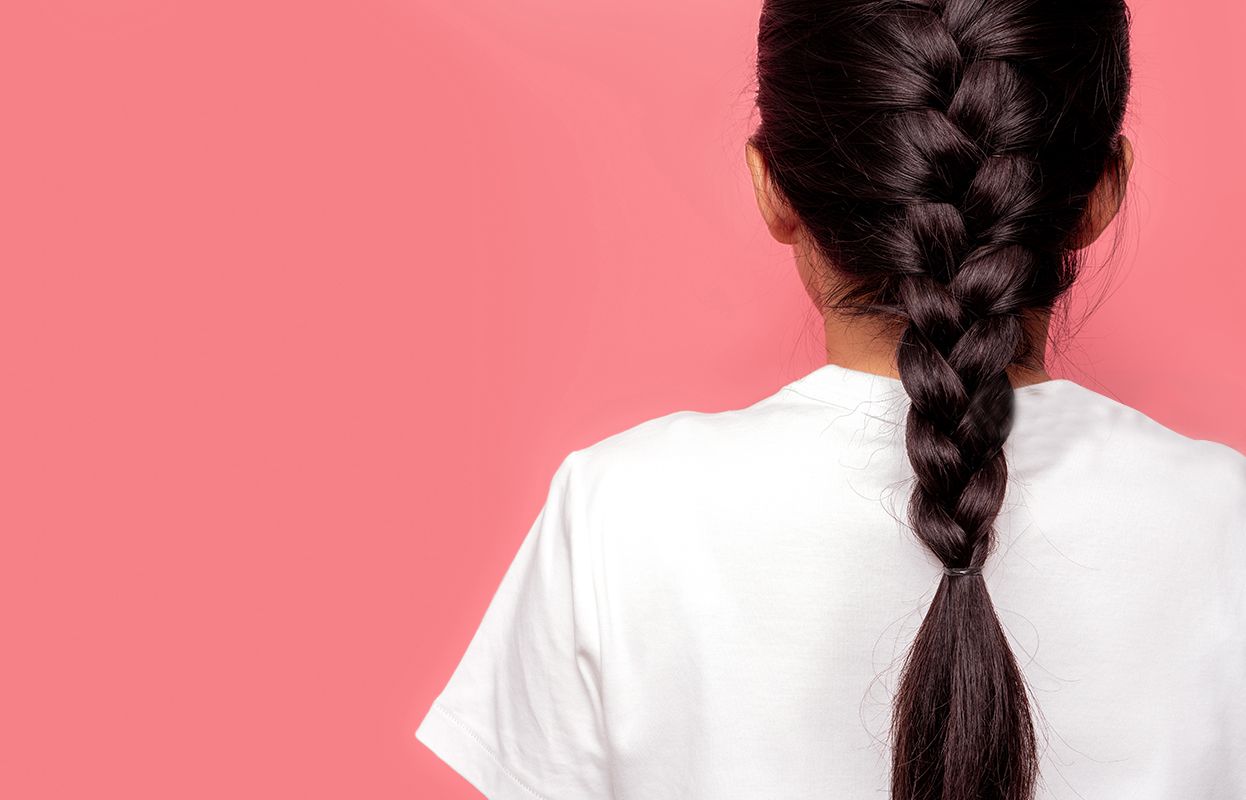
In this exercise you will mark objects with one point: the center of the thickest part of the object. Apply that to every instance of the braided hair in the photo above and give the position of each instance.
(941, 155)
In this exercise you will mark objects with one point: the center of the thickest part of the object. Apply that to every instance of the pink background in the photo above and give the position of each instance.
(303, 302)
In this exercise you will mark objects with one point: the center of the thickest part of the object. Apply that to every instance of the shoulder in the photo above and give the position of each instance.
(1138, 433)
(1136, 450)
(679, 452)
(655, 449)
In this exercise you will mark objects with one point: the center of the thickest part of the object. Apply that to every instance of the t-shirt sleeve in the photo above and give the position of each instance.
(520, 717)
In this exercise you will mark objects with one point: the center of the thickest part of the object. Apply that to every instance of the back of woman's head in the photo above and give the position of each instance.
(941, 157)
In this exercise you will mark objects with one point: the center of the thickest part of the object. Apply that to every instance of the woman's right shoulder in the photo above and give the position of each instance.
(1140, 445)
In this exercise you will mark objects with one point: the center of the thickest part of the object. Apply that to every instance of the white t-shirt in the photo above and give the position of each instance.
(716, 606)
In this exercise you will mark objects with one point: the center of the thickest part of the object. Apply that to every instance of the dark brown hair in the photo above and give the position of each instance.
(941, 156)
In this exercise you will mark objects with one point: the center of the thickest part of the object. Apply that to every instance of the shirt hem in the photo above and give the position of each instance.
(463, 751)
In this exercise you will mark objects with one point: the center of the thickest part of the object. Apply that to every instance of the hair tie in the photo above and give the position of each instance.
(954, 571)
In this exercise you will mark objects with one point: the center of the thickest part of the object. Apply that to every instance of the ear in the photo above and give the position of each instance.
(1105, 201)
(783, 224)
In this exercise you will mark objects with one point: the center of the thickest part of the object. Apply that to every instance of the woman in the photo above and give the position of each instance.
(926, 569)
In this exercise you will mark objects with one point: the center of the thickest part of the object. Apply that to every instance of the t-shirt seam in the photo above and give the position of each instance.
(449, 715)
(594, 547)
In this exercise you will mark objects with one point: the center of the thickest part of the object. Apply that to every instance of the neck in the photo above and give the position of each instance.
(870, 347)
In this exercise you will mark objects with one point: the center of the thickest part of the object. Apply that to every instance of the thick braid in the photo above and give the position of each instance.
(940, 154)
(962, 299)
